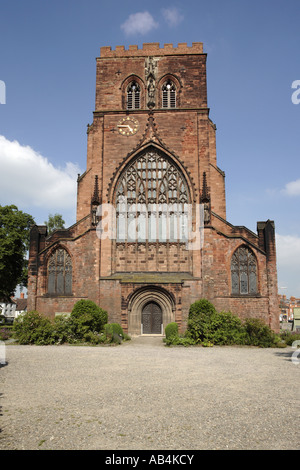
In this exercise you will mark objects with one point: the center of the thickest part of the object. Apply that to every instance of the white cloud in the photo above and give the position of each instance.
(292, 188)
(288, 266)
(288, 250)
(172, 16)
(139, 23)
(29, 180)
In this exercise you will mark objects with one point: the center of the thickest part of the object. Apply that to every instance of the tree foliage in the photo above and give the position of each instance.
(55, 222)
(14, 242)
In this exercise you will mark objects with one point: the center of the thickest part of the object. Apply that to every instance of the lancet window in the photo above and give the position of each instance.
(169, 95)
(133, 96)
(243, 272)
(60, 273)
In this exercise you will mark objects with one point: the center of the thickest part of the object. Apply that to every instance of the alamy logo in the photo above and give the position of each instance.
(295, 355)
(296, 94)
(2, 353)
(176, 222)
(2, 92)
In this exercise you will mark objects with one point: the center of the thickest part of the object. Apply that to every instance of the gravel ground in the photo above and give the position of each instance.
(144, 395)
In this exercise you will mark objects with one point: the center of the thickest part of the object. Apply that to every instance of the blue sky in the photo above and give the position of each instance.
(47, 64)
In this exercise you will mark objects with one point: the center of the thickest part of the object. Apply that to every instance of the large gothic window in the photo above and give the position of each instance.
(243, 272)
(133, 96)
(169, 95)
(60, 273)
(151, 201)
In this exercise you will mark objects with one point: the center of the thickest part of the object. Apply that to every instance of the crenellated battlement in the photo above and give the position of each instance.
(152, 48)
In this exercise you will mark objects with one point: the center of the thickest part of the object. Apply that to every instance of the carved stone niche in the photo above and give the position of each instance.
(151, 74)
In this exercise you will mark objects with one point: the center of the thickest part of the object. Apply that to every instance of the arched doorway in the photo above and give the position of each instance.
(150, 309)
(151, 319)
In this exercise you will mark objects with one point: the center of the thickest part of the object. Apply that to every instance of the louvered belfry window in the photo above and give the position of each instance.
(151, 200)
(60, 273)
(243, 272)
(169, 95)
(133, 96)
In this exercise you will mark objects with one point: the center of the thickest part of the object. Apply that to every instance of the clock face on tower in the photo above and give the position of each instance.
(128, 126)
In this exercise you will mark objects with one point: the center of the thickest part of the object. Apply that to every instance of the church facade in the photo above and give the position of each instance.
(151, 234)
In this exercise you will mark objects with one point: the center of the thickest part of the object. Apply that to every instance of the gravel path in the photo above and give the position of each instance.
(143, 395)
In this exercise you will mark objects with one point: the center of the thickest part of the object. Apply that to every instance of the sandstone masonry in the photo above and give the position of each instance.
(152, 141)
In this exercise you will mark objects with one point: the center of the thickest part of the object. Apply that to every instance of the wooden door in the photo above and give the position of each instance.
(152, 318)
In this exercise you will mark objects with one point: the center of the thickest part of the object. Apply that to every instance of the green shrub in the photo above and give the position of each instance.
(225, 329)
(222, 328)
(201, 314)
(173, 338)
(171, 330)
(5, 334)
(86, 323)
(259, 334)
(33, 328)
(87, 316)
(64, 330)
(206, 326)
(94, 337)
(113, 332)
(289, 337)
(178, 340)
(201, 307)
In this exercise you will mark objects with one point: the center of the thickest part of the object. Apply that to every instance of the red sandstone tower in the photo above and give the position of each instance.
(151, 161)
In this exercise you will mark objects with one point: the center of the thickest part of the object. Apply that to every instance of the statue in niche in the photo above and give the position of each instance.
(151, 93)
(206, 212)
(150, 72)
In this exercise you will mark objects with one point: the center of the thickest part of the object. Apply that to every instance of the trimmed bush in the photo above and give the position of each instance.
(173, 338)
(201, 307)
(171, 330)
(200, 319)
(87, 316)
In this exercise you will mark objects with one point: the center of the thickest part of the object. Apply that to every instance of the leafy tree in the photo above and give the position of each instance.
(14, 242)
(54, 222)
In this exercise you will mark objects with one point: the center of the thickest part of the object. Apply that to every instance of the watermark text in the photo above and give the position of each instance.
(296, 94)
(2, 92)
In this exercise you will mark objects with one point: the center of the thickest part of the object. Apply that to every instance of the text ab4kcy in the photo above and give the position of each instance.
(180, 459)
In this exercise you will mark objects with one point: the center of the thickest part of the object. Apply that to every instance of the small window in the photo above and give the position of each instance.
(60, 273)
(133, 96)
(169, 95)
(243, 272)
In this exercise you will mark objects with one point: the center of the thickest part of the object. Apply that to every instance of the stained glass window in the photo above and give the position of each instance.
(60, 273)
(151, 201)
(243, 272)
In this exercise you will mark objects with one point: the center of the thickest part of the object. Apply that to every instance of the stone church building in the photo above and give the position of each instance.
(151, 234)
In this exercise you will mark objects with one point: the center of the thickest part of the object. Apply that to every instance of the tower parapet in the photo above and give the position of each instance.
(152, 48)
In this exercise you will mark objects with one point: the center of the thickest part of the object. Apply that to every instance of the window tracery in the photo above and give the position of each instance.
(151, 200)
(60, 272)
(243, 272)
